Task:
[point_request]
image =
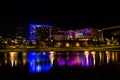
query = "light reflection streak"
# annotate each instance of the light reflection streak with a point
(13, 58)
(51, 56)
(116, 56)
(100, 55)
(24, 58)
(93, 54)
(12, 63)
(108, 56)
(86, 53)
(5, 55)
(113, 56)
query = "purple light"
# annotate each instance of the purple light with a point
(61, 62)
(78, 59)
(87, 30)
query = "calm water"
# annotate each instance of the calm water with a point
(60, 65)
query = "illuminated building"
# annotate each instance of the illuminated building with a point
(44, 31)
(86, 34)
(80, 34)
(112, 33)
(60, 35)
(83, 34)
(69, 35)
(36, 31)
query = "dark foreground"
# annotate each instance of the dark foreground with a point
(104, 72)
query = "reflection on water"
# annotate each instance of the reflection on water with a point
(77, 59)
(69, 60)
(87, 58)
(40, 61)
(13, 58)
(24, 59)
(44, 61)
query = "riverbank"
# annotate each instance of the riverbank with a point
(26, 49)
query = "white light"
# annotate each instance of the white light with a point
(44, 53)
(93, 52)
(51, 52)
(107, 52)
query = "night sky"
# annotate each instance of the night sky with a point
(10, 18)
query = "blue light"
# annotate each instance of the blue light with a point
(32, 27)
(43, 57)
(81, 34)
(35, 58)
(43, 68)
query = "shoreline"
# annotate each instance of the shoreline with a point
(115, 48)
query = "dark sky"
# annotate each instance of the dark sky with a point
(10, 18)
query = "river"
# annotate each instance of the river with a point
(64, 65)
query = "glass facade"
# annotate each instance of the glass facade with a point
(32, 30)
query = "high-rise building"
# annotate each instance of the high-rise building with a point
(37, 31)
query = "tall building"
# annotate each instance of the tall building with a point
(37, 31)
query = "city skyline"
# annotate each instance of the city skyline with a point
(10, 18)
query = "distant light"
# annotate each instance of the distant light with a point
(99, 30)
(93, 54)
(67, 44)
(77, 44)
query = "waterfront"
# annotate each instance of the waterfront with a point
(63, 65)
(53, 43)
(33, 48)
